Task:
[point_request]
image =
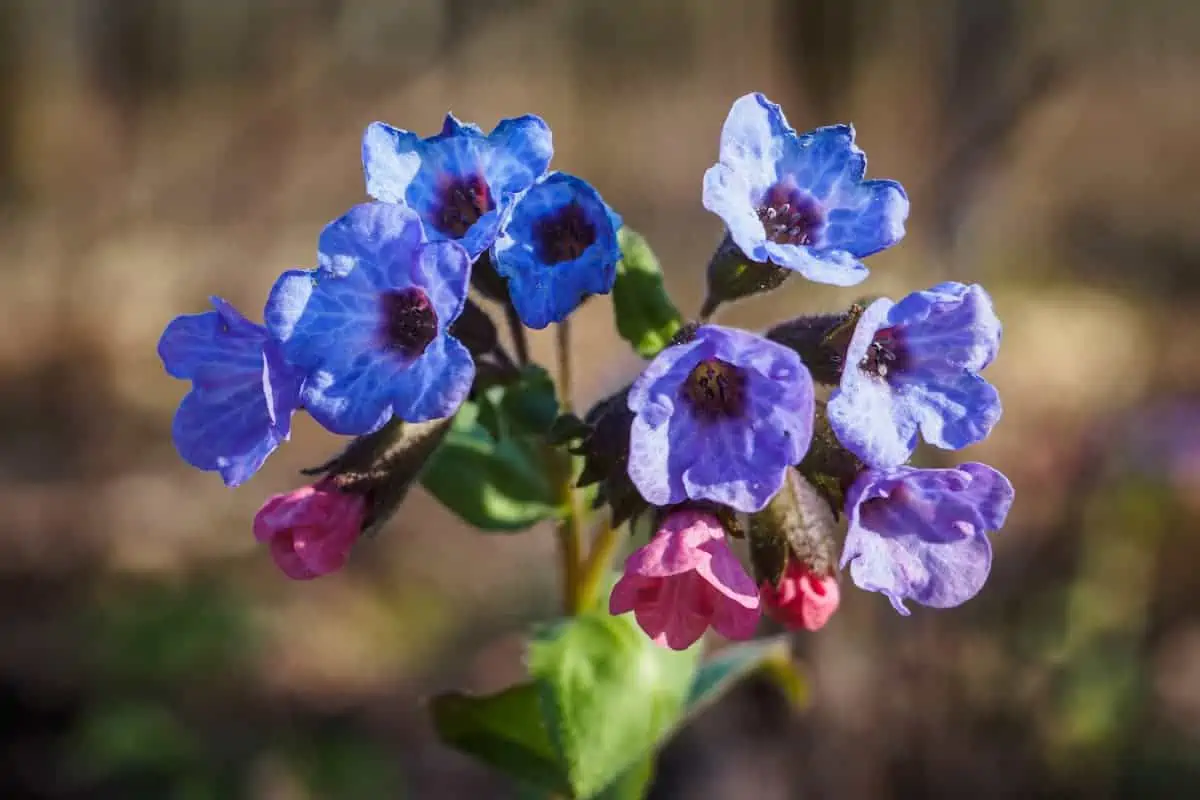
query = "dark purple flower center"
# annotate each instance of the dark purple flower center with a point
(563, 234)
(462, 201)
(716, 388)
(789, 216)
(409, 321)
(886, 354)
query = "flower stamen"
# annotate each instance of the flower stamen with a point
(463, 202)
(789, 216)
(563, 235)
(409, 321)
(885, 354)
(716, 388)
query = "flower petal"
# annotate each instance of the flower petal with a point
(751, 139)
(244, 393)
(725, 573)
(950, 326)
(728, 195)
(990, 491)
(283, 553)
(323, 321)
(744, 465)
(521, 151)
(208, 346)
(627, 592)
(227, 430)
(391, 159)
(824, 162)
(367, 240)
(443, 271)
(436, 383)
(868, 217)
(953, 412)
(833, 267)
(677, 547)
(870, 423)
(905, 567)
(680, 615)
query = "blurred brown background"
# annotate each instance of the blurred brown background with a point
(155, 152)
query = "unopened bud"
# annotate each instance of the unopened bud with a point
(803, 599)
(794, 537)
(605, 450)
(828, 466)
(820, 340)
(383, 466)
(797, 525)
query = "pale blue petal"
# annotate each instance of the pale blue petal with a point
(728, 195)
(953, 411)
(391, 159)
(824, 162)
(833, 267)
(866, 218)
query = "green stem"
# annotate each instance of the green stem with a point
(595, 566)
(570, 533)
(517, 330)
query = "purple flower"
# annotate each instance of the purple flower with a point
(921, 534)
(243, 391)
(800, 202)
(461, 182)
(914, 365)
(559, 247)
(370, 326)
(720, 417)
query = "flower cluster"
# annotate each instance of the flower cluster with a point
(726, 434)
(368, 336)
(724, 416)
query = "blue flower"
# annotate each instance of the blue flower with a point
(800, 202)
(243, 391)
(720, 417)
(914, 366)
(921, 534)
(369, 327)
(461, 182)
(559, 247)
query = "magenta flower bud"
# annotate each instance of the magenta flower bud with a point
(685, 580)
(803, 599)
(310, 530)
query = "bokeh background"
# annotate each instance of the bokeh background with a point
(155, 151)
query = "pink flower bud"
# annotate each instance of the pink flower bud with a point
(803, 599)
(685, 580)
(311, 529)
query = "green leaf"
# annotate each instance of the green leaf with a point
(504, 730)
(610, 695)
(646, 317)
(346, 764)
(126, 736)
(493, 484)
(720, 673)
(526, 407)
(633, 784)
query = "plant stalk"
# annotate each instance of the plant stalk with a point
(570, 527)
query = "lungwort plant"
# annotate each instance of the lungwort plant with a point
(771, 437)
